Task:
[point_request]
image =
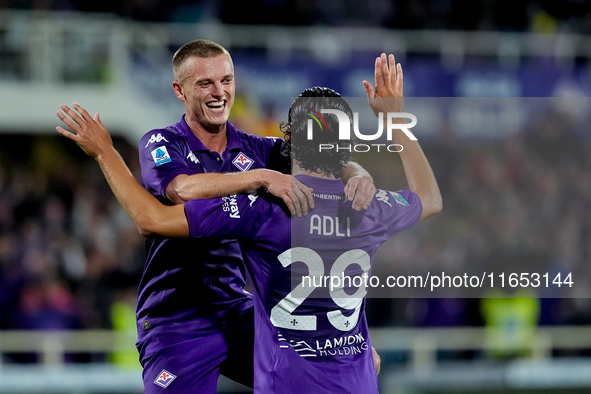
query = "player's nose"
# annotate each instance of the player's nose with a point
(218, 89)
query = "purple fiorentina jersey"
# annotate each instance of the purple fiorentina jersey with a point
(307, 339)
(189, 281)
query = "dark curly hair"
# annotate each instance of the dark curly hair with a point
(308, 106)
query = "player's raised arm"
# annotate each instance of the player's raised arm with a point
(147, 213)
(388, 97)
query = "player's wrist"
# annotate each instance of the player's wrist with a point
(261, 178)
(107, 155)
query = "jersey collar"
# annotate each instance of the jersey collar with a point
(195, 143)
(335, 186)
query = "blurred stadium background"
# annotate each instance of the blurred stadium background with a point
(514, 169)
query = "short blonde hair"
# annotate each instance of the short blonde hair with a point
(196, 48)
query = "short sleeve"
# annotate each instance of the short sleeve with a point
(162, 159)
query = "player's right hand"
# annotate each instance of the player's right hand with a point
(297, 197)
(89, 133)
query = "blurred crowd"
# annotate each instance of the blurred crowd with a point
(516, 204)
(544, 16)
(68, 252)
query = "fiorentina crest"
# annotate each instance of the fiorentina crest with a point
(243, 162)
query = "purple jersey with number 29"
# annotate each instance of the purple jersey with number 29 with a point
(309, 338)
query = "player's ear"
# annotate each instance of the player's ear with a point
(178, 90)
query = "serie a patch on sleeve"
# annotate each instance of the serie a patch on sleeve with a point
(161, 156)
(400, 199)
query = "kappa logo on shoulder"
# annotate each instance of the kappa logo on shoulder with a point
(155, 138)
(164, 378)
(382, 196)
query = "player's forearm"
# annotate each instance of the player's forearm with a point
(419, 175)
(352, 170)
(184, 188)
(146, 212)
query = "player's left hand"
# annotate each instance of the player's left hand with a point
(388, 83)
(360, 190)
(89, 133)
(301, 198)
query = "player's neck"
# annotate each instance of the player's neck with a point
(297, 170)
(215, 139)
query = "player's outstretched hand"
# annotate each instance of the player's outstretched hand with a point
(89, 133)
(360, 190)
(388, 83)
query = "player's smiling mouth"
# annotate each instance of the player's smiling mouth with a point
(217, 106)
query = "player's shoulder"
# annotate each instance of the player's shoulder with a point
(164, 135)
(384, 199)
(252, 139)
